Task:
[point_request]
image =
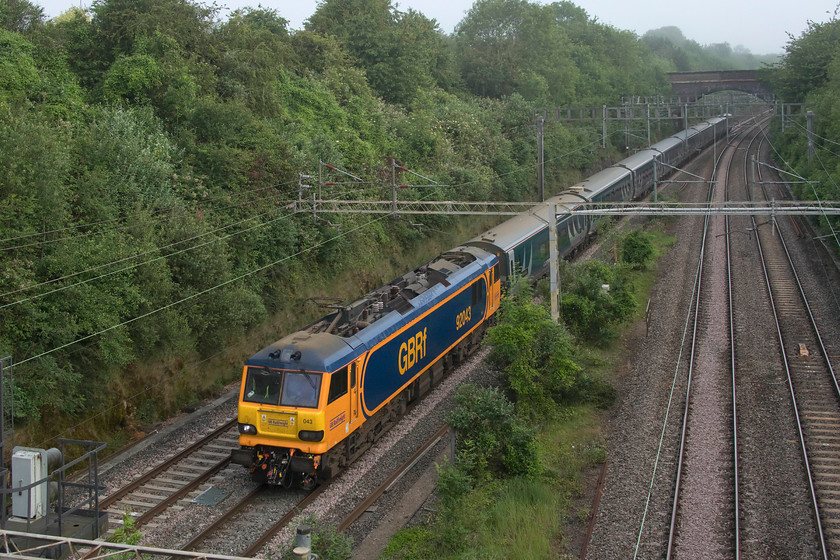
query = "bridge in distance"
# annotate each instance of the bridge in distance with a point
(697, 84)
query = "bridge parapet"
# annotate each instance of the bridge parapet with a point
(702, 83)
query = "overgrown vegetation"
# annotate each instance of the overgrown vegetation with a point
(684, 55)
(522, 448)
(809, 73)
(147, 149)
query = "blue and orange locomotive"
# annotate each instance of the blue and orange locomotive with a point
(313, 401)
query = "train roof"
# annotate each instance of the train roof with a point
(349, 330)
(591, 186)
(700, 127)
(667, 144)
(638, 159)
(314, 350)
(566, 199)
(684, 135)
(514, 231)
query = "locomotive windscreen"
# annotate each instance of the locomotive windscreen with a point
(284, 388)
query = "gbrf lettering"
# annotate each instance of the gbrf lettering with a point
(412, 351)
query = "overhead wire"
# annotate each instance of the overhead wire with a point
(199, 245)
(137, 255)
(189, 298)
(101, 232)
(136, 265)
(802, 128)
(247, 274)
(813, 190)
(200, 293)
(134, 256)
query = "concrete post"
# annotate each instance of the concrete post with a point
(655, 180)
(553, 262)
(540, 160)
(604, 128)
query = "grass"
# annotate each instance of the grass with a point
(518, 518)
(525, 519)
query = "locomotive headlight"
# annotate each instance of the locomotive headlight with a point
(247, 429)
(310, 435)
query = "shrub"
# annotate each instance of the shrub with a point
(636, 249)
(590, 310)
(535, 352)
(492, 438)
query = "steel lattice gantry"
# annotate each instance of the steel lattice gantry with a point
(448, 207)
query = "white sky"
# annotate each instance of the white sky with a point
(759, 25)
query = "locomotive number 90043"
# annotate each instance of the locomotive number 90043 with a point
(463, 318)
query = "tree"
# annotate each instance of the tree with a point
(807, 58)
(20, 16)
(18, 73)
(398, 50)
(119, 23)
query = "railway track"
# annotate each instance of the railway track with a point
(709, 521)
(704, 518)
(174, 478)
(813, 385)
(249, 514)
(758, 503)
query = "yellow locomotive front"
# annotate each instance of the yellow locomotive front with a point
(281, 423)
(287, 394)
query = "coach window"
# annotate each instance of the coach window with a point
(338, 385)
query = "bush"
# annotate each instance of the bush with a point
(536, 354)
(491, 437)
(590, 310)
(636, 249)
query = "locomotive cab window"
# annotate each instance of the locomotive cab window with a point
(263, 385)
(338, 385)
(301, 389)
(272, 386)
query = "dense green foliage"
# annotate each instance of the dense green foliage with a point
(636, 249)
(536, 353)
(147, 148)
(596, 298)
(684, 55)
(809, 73)
(493, 438)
